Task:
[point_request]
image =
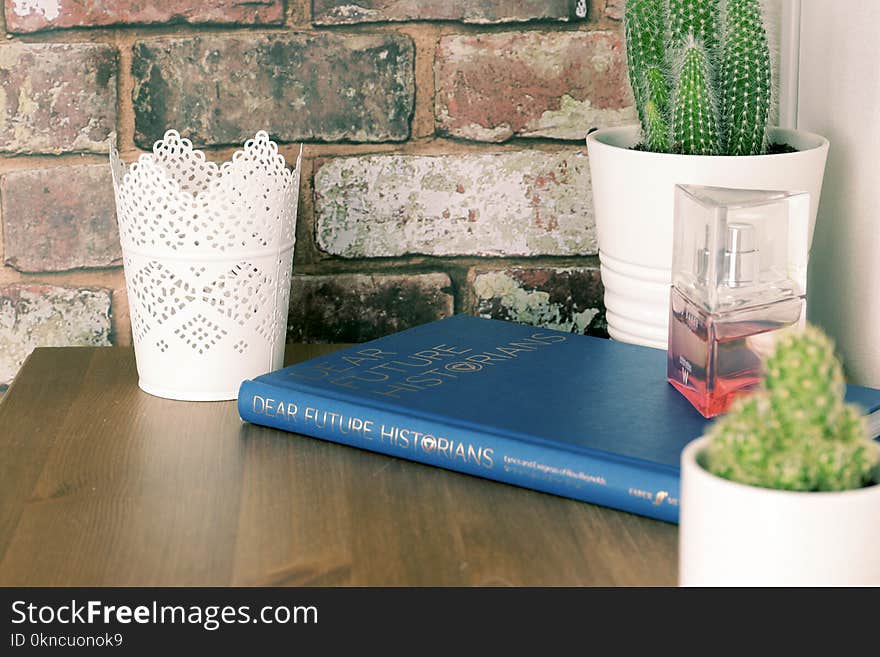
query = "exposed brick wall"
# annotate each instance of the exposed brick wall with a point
(444, 164)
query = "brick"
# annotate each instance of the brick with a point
(340, 12)
(48, 316)
(320, 87)
(361, 307)
(491, 87)
(57, 98)
(35, 15)
(561, 298)
(499, 204)
(614, 9)
(46, 227)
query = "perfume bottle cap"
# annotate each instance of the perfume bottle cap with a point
(740, 238)
(740, 255)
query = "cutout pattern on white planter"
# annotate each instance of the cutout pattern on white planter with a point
(208, 256)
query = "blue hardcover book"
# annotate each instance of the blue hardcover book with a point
(576, 416)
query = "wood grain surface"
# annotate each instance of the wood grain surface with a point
(102, 484)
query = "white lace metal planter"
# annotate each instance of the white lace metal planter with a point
(208, 254)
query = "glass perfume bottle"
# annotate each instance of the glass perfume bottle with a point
(739, 272)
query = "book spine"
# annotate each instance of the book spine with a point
(603, 480)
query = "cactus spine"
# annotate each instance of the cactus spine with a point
(796, 432)
(700, 72)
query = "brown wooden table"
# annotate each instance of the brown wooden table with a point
(102, 484)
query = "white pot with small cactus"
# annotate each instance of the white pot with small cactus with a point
(700, 72)
(784, 490)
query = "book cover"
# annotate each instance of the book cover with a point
(576, 416)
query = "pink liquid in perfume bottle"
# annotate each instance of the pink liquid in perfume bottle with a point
(713, 358)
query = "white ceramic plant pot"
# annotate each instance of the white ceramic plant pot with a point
(633, 201)
(207, 252)
(731, 534)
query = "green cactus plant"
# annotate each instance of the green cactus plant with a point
(745, 79)
(700, 73)
(693, 19)
(795, 432)
(695, 119)
(645, 28)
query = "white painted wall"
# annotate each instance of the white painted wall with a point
(839, 97)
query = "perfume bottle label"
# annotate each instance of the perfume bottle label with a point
(686, 369)
(694, 321)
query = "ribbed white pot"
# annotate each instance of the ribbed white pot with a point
(633, 201)
(731, 534)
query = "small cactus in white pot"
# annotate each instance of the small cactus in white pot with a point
(700, 72)
(785, 488)
(796, 433)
